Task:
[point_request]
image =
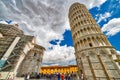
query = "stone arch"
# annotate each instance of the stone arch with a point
(85, 21)
(81, 22)
(89, 42)
(81, 42)
(85, 43)
(88, 21)
(77, 11)
(88, 29)
(76, 34)
(82, 15)
(78, 23)
(81, 32)
(76, 17)
(92, 29)
(85, 30)
(94, 40)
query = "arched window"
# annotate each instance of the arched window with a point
(81, 15)
(90, 44)
(82, 22)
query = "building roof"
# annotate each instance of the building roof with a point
(59, 66)
(8, 30)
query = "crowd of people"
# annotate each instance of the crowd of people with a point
(55, 76)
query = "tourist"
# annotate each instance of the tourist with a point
(38, 76)
(32, 75)
(66, 76)
(55, 76)
(62, 76)
(58, 76)
(25, 77)
(82, 77)
(69, 77)
(75, 77)
(28, 76)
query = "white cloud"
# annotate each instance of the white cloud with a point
(38, 17)
(45, 19)
(3, 22)
(89, 3)
(59, 55)
(112, 27)
(118, 52)
(103, 16)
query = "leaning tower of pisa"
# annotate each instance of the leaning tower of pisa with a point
(94, 53)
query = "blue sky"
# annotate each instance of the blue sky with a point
(48, 21)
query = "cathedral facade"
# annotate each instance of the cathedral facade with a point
(94, 53)
(19, 53)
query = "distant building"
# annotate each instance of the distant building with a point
(19, 53)
(59, 69)
(94, 53)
